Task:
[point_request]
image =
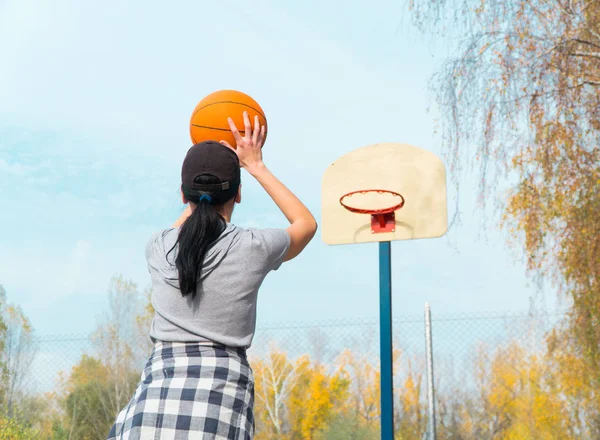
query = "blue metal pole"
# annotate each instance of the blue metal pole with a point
(385, 344)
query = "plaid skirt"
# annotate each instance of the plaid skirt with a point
(190, 391)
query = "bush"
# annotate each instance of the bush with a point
(15, 429)
(345, 427)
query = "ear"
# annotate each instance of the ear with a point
(238, 197)
(183, 199)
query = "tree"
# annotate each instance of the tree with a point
(88, 399)
(522, 104)
(577, 381)
(99, 386)
(87, 403)
(316, 399)
(17, 352)
(143, 322)
(17, 355)
(516, 398)
(275, 378)
(522, 97)
(318, 340)
(411, 419)
(116, 339)
(365, 387)
(343, 427)
(297, 399)
(42, 412)
(521, 65)
(3, 367)
(364, 400)
(14, 429)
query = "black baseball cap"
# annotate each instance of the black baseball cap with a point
(210, 158)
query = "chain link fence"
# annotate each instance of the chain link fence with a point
(54, 357)
(468, 349)
(458, 339)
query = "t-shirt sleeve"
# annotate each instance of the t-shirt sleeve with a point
(274, 244)
(154, 248)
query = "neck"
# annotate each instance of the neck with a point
(224, 210)
(226, 216)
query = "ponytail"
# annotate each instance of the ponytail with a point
(200, 230)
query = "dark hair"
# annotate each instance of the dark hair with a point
(199, 231)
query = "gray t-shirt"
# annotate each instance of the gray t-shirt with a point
(224, 309)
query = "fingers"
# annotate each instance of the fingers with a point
(256, 131)
(251, 137)
(262, 135)
(236, 134)
(247, 126)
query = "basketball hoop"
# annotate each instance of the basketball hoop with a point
(382, 219)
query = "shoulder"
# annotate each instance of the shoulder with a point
(161, 241)
(267, 236)
(271, 235)
(271, 245)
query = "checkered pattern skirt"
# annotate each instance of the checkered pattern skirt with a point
(190, 391)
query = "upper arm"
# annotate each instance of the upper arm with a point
(152, 245)
(183, 217)
(273, 246)
(301, 233)
(155, 249)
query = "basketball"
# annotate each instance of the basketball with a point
(209, 119)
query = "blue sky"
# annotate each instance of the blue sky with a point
(95, 99)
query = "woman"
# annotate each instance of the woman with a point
(205, 274)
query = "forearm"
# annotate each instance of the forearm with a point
(293, 209)
(183, 217)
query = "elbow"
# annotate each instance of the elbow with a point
(310, 229)
(313, 227)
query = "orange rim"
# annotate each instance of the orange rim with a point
(373, 211)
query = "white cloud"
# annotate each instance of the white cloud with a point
(13, 168)
(45, 275)
(141, 79)
(18, 169)
(114, 83)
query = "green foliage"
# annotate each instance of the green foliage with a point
(347, 427)
(85, 406)
(58, 431)
(92, 398)
(99, 386)
(19, 411)
(15, 429)
(518, 394)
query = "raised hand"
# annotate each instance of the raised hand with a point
(249, 146)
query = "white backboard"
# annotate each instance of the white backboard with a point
(417, 174)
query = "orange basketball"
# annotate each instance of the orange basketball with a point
(209, 119)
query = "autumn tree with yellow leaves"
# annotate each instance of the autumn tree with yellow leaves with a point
(521, 105)
(101, 384)
(364, 400)
(19, 412)
(295, 399)
(318, 395)
(510, 392)
(275, 377)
